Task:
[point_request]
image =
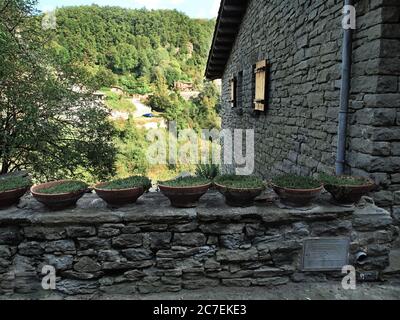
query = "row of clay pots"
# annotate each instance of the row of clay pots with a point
(188, 197)
(342, 194)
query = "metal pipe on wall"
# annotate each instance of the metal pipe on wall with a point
(344, 97)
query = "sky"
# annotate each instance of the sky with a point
(193, 8)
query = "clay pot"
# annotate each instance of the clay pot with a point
(11, 197)
(119, 197)
(347, 194)
(297, 197)
(184, 197)
(236, 197)
(56, 201)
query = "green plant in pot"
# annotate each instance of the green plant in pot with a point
(347, 189)
(208, 171)
(297, 190)
(239, 191)
(123, 191)
(61, 194)
(185, 192)
(12, 188)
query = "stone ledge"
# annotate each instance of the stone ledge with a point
(154, 207)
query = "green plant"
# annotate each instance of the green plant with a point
(13, 183)
(208, 171)
(342, 180)
(47, 127)
(64, 187)
(296, 182)
(186, 182)
(128, 183)
(240, 182)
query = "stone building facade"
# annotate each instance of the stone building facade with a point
(302, 43)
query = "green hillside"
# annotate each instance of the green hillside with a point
(133, 48)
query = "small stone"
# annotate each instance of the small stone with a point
(60, 246)
(212, 264)
(87, 265)
(190, 239)
(134, 275)
(109, 256)
(270, 282)
(94, 243)
(137, 254)
(237, 282)
(59, 262)
(232, 242)
(78, 232)
(10, 236)
(128, 241)
(6, 252)
(45, 233)
(75, 287)
(160, 240)
(237, 255)
(188, 227)
(30, 249)
(81, 275)
(110, 230)
(130, 229)
(127, 265)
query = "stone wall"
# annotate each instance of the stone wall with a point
(151, 247)
(302, 41)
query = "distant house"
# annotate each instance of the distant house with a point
(117, 90)
(183, 86)
(99, 95)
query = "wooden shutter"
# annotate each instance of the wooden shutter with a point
(260, 99)
(233, 85)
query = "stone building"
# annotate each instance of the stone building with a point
(296, 127)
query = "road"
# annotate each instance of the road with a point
(141, 109)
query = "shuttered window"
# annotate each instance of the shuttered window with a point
(260, 97)
(233, 89)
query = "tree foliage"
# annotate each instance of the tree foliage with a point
(46, 126)
(139, 43)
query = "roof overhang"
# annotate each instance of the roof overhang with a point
(230, 17)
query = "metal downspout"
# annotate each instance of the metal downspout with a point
(344, 98)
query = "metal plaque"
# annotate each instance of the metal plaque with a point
(325, 254)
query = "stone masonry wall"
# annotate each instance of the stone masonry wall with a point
(302, 41)
(151, 247)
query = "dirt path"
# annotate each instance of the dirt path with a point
(141, 108)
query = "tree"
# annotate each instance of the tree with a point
(46, 126)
